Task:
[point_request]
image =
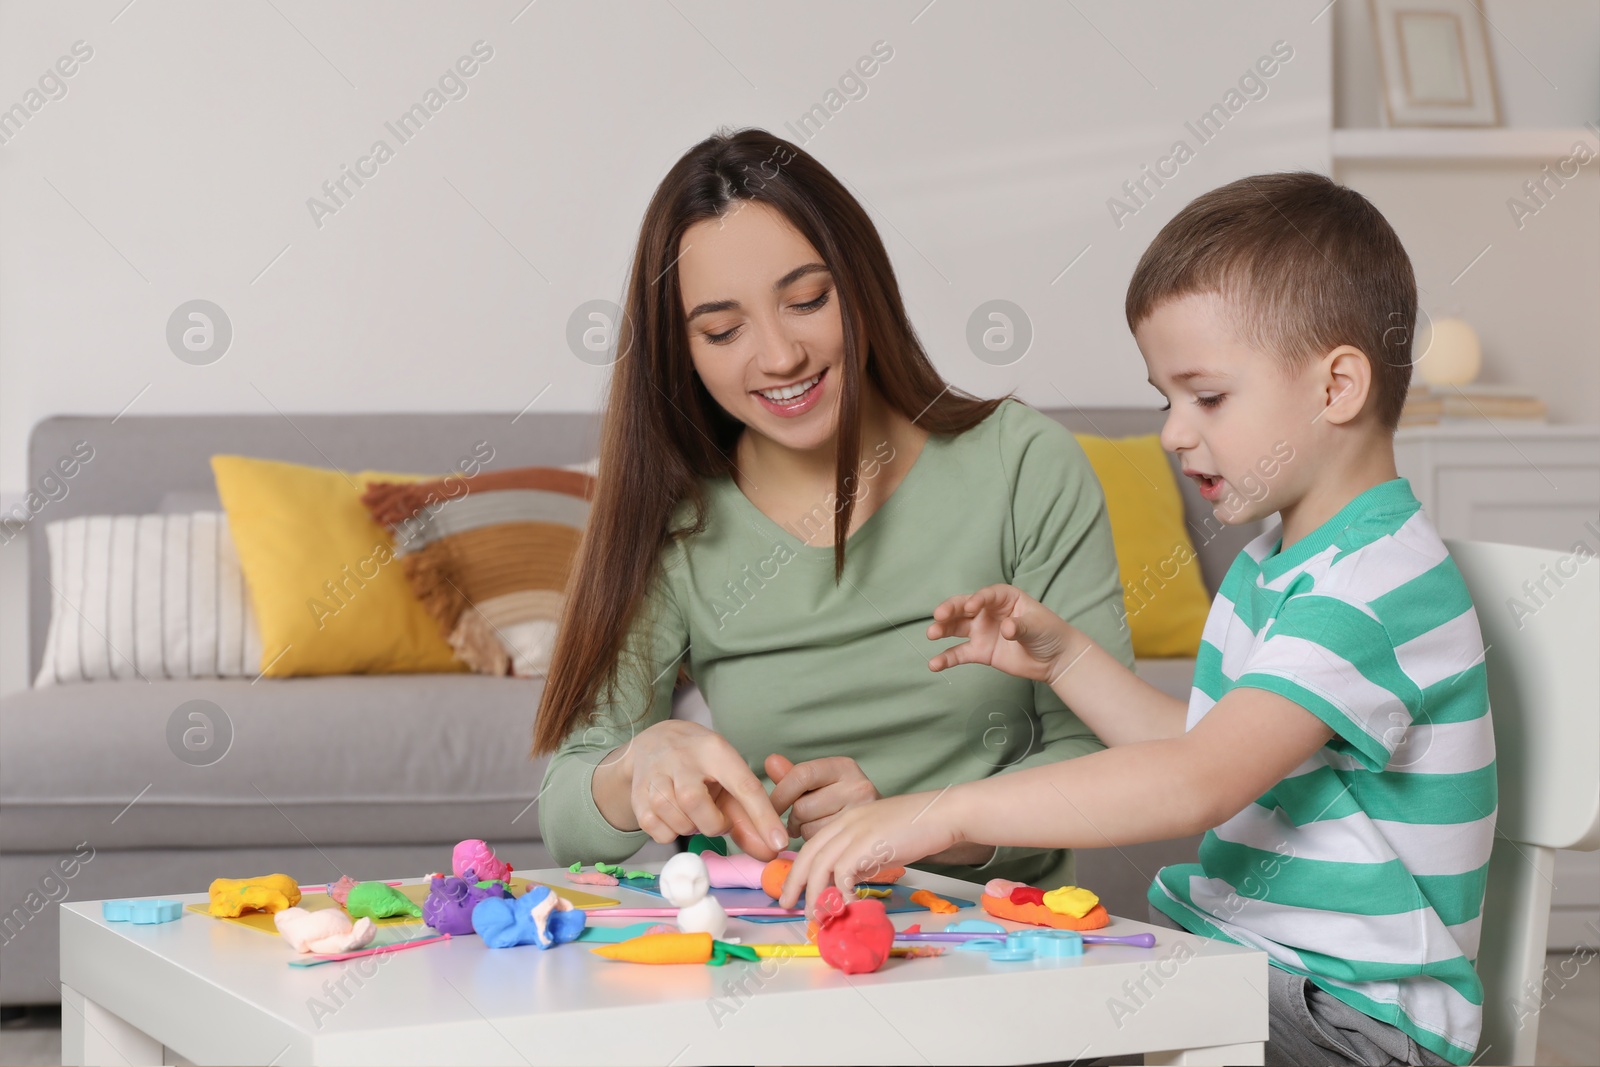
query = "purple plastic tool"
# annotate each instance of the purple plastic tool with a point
(1135, 940)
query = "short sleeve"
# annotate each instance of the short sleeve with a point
(570, 822)
(1336, 660)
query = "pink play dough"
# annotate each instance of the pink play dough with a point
(733, 872)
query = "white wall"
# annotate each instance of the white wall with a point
(1532, 294)
(179, 163)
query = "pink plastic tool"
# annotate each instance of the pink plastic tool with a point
(323, 888)
(415, 942)
(667, 913)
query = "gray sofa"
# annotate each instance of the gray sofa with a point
(424, 760)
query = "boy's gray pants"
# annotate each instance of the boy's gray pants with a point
(1309, 1026)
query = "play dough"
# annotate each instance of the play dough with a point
(676, 948)
(933, 902)
(686, 883)
(451, 899)
(1071, 900)
(379, 900)
(773, 876)
(591, 878)
(1036, 914)
(538, 917)
(269, 893)
(328, 930)
(475, 860)
(853, 937)
(733, 872)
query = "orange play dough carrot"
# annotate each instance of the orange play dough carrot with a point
(1039, 915)
(659, 948)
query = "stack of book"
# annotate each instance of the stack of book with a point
(1428, 405)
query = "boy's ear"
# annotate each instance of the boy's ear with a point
(1347, 379)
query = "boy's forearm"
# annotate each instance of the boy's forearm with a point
(1122, 796)
(1115, 703)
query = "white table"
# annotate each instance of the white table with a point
(209, 991)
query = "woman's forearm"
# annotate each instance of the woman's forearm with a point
(1118, 705)
(612, 786)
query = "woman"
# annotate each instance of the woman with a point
(786, 490)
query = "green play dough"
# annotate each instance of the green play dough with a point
(374, 900)
(701, 843)
(722, 952)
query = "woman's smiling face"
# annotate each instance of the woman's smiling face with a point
(763, 321)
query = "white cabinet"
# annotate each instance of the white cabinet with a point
(1520, 484)
(1516, 483)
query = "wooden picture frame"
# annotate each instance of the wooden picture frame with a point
(1434, 55)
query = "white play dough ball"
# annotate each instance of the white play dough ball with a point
(1448, 353)
(705, 916)
(685, 880)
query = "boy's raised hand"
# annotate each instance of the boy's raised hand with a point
(1005, 628)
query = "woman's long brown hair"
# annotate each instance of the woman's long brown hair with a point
(662, 434)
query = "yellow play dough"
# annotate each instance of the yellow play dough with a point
(1071, 900)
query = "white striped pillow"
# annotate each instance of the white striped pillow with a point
(147, 597)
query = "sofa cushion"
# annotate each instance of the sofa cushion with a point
(326, 599)
(371, 760)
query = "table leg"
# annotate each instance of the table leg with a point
(1246, 1054)
(91, 1035)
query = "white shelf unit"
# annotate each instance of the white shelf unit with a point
(1430, 143)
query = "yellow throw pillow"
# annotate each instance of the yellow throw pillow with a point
(330, 595)
(1162, 590)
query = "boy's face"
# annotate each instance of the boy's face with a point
(1239, 417)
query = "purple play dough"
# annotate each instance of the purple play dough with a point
(448, 908)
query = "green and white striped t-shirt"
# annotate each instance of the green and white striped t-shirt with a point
(1365, 867)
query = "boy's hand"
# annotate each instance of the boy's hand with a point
(886, 833)
(1006, 629)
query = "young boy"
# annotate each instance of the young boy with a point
(1337, 747)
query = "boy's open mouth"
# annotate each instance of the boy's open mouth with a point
(1210, 484)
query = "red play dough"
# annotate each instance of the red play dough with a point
(1027, 894)
(855, 937)
(1039, 915)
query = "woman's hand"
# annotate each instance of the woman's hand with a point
(816, 791)
(1005, 629)
(685, 779)
(895, 832)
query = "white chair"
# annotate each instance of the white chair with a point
(1544, 692)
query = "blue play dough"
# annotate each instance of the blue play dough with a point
(504, 922)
